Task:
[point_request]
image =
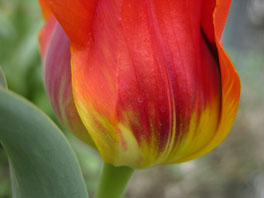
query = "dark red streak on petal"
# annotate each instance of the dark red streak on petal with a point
(162, 55)
(172, 67)
(212, 47)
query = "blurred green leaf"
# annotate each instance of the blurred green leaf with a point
(43, 164)
(2, 78)
(7, 29)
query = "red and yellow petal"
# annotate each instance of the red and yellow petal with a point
(149, 77)
(230, 83)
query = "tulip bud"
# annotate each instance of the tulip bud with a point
(146, 81)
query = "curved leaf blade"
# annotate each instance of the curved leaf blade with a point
(42, 161)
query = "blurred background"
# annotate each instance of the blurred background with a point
(234, 170)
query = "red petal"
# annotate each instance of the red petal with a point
(214, 28)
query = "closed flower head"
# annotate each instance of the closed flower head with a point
(145, 82)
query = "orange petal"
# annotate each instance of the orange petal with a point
(76, 18)
(46, 12)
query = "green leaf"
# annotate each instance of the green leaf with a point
(43, 165)
(2, 78)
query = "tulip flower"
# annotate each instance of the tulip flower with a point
(145, 82)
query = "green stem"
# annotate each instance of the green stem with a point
(113, 181)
